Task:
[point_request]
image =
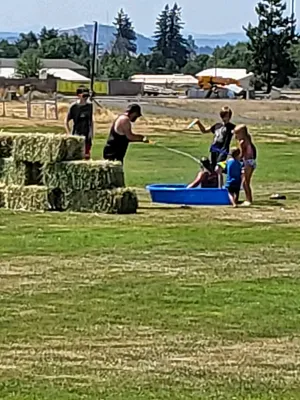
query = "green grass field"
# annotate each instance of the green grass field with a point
(170, 303)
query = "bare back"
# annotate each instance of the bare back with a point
(247, 149)
(122, 125)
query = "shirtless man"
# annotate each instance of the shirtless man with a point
(121, 135)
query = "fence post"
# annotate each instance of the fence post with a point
(3, 108)
(45, 109)
(29, 105)
(56, 107)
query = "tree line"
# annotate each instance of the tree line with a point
(30, 48)
(272, 50)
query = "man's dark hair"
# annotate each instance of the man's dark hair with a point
(134, 108)
(82, 90)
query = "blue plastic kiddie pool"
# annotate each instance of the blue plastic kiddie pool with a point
(180, 194)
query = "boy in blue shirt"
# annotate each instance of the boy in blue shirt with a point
(234, 176)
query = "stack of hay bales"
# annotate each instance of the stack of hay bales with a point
(40, 172)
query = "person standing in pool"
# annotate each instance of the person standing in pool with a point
(121, 134)
(223, 133)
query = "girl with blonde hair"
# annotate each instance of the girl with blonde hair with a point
(248, 157)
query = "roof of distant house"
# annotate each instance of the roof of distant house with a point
(7, 72)
(233, 73)
(47, 63)
(67, 75)
(179, 79)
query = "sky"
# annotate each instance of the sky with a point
(200, 16)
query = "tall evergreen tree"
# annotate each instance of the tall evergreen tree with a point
(161, 33)
(125, 42)
(270, 43)
(178, 46)
(169, 41)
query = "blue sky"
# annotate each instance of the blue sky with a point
(201, 16)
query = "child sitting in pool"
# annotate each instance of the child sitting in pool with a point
(207, 177)
(248, 157)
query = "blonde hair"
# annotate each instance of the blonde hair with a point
(242, 131)
(226, 111)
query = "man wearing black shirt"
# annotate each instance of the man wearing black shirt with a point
(81, 113)
(121, 134)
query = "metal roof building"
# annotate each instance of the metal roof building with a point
(61, 69)
(64, 74)
(47, 63)
(159, 80)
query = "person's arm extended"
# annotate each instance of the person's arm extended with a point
(242, 148)
(202, 128)
(133, 137)
(197, 181)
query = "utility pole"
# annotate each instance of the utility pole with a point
(216, 62)
(94, 57)
(293, 18)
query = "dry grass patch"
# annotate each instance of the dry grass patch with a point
(155, 354)
(276, 110)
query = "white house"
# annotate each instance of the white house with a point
(59, 68)
(239, 74)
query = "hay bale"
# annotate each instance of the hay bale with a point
(83, 175)
(28, 198)
(20, 173)
(124, 201)
(6, 144)
(12, 173)
(115, 201)
(47, 148)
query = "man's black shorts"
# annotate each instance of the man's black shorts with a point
(111, 157)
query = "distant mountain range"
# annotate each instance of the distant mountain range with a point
(106, 37)
(10, 36)
(213, 41)
(205, 42)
